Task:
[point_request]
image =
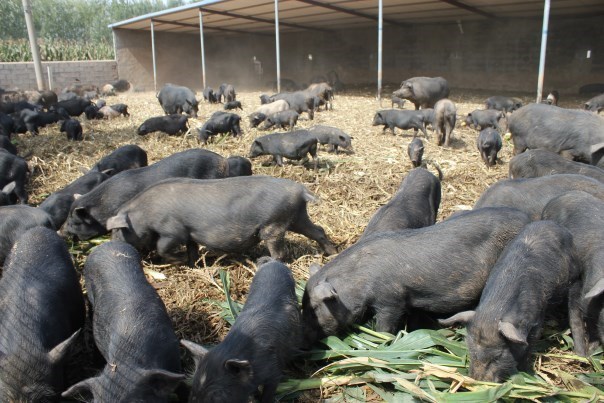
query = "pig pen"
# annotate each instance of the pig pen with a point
(350, 186)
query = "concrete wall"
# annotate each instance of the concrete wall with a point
(22, 75)
(494, 55)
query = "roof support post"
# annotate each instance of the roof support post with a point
(543, 50)
(379, 61)
(203, 55)
(277, 45)
(153, 54)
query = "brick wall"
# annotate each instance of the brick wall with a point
(498, 55)
(22, 75)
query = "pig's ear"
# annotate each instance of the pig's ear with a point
(595, 290)
(241, 368)
(462, 318)
(9, 188)
(380, 115)
(118, 221)
(342, 138)
(81, 389)
(512, 333)
(325, 291)
(314, 268)
(258, 144)
(198, 351)
(597, 152)
(160, 381)
(58, 352)
(80, 211)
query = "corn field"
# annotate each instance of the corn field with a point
(18, 50)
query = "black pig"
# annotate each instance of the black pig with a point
(332, 136)
(504, 104)
(531, 195)
(489, 143)
(132, 330)
(532, 274)
(293, 145)
(58, 204)
(583, 215)
(481, 119)
(171, 124)
(73, 129)
(232, 105)
(424, 92)
(535, 163)
(445, 116)
(42, 320)
(596, 104)
(415, 151)
(90, 212)
(125, 157)
(393, 273)
(14, 169)
(257, 347)
(220, 122)
(228, 222)
(414, 205)
(402, 119)
(15, 221)
(283, 119)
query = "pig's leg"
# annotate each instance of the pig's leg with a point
(303, 225)
(278, 160)
(268, 392)
(388, 319)
(274, 236)
(192, 253)
(575, 318)
(165, 249)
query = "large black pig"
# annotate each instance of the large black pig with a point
(175, 99)
(90, 212)
(531, 195)
(535, 163)
(424, 92)
(414, 205)
(583, 215)
(574, 134)
(215, 214)
(265, 336)
(438, 269)
(533, 273)
(132, 330)
(41, 313)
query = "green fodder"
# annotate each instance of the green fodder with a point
(55, 50)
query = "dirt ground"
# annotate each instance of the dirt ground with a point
(350, 186)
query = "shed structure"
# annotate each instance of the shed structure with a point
(475, 44)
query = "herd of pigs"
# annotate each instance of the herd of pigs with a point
(532, 243)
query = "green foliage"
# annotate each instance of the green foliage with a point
(70, 29)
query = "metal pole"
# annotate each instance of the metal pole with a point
(153, 54)
(114, 47)
(277, 45)
(33, 44)
(543, 50)
(49, 77)
(203, 54)
(379, 66)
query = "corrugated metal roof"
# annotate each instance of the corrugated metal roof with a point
(232, 16)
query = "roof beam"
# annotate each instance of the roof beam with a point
(184, 24)
(257, 19)
(349, 11)
(471, 9)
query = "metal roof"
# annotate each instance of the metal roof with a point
(257, 16)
